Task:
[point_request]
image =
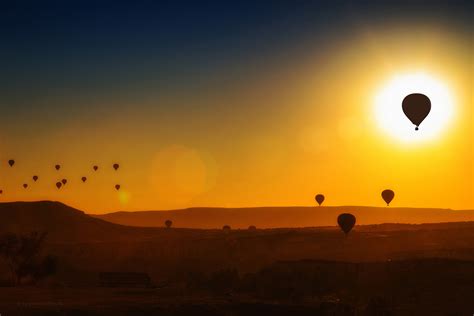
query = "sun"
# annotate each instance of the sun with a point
(388, 107)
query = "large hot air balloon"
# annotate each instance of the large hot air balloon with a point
(116, 166)
(346, 221)
(58, 185)
(64, 181)
(57, 167)
(25, 185)
(84, 179)
(35, 178)
(319, 198)
(11, 162)
(416, 107)
(95, 168)
(387, 196)
(117, 187)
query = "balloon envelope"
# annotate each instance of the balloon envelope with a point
(83, 179)
(25, 185)
(95, 168)
(319, 198)
(64, 181)
(168, 223)
(117, 187)
(387, 196)
(35, 178)
(58, 185)
(1, 191)
(116, 166)
(416, 107)
(57, 167)
(346, 222)
(11, 162)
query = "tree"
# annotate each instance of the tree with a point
(22, 255)
(168, 223)
(226, 228)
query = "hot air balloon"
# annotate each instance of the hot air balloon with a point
(35, 178)
(58, 185)
(168, 223)
(387, 196)
(319, 198)
(346, 221)
(116, 166)
(11, 162)
(1, 191)
(84, 179)
(57, 167)
(95, 168)
(117, 187)
(64, 181)
(25, 185)
(416, 107)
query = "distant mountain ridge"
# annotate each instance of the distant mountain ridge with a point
(291, 216)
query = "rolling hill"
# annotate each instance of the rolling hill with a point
(274, 217)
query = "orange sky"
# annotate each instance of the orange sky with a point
(285, 129)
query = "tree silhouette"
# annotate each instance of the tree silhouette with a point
(22, 255)
(252, 227)
(226, 228)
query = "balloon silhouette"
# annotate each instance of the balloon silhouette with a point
(168, 223)
(319, 198)
(57, 167)
(58, 185)
(84, 179)
(25, 185)
(387, 196)
(64, 181)
(11, 162)
(116, 166)
(35, 178)
(1, 191)
(416, 107)
(346, 222)
(117, 187)
(95, 168)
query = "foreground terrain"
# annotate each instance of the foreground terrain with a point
(388, 269)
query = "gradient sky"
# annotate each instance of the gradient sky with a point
(219, 104)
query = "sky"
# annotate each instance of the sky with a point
(230, 104)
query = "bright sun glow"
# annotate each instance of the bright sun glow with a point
(390, 116)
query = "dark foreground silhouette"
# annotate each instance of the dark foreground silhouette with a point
(109, 269)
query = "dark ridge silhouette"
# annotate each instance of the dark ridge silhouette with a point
(274, 217)
(63, 223)
(416, 107)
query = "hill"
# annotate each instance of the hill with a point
(63, 223)
(273, 217)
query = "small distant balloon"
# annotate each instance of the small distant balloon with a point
(416, 107)
(35, 178)
(346, 222)
(84, 179)
(25, 185)
(57, 167)
(58, 185)
(11, 162)
(387, 196)
(319, 198)
(64, 181)
(168, 223)
(116, 166)
(1, 191)
(117, 187)
(95, 168)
